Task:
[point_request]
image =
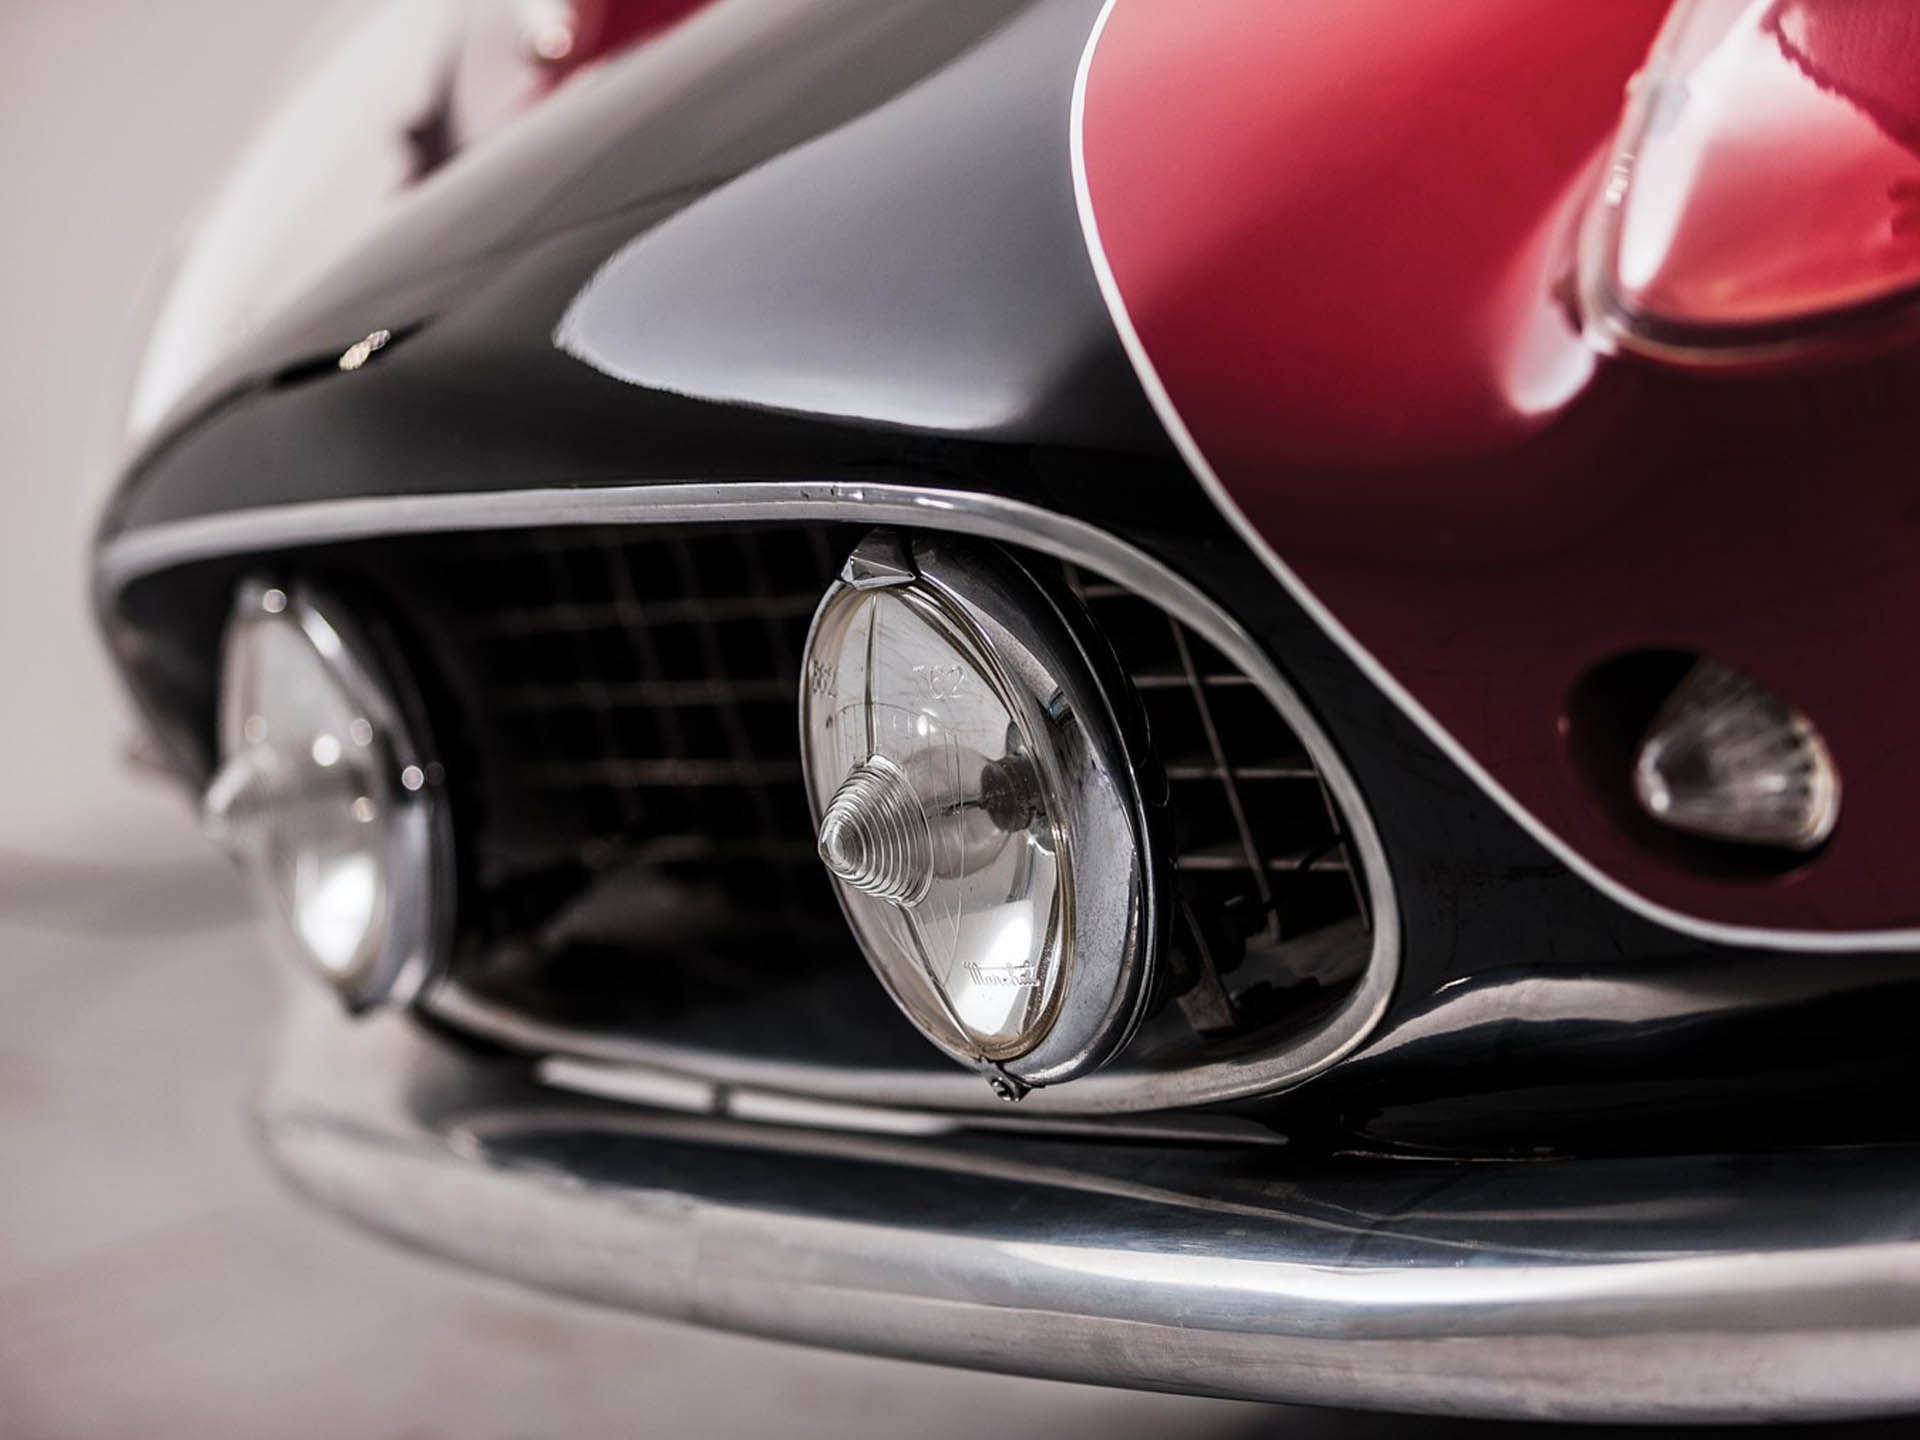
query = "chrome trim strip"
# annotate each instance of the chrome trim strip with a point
(1716, 931)
(1682, 1288)
(670, 1090)
(1116, 1089)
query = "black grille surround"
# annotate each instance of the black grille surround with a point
(617, 705)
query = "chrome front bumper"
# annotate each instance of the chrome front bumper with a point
(1704, 1288)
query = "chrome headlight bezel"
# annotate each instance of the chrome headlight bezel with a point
(1008, 634)
(397, 785)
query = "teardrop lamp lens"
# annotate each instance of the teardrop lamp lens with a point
(1727, 759)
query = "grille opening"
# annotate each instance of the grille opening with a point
(1260, 854)
(636, 845)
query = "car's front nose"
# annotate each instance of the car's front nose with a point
(1405, 1102)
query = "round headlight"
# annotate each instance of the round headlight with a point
(977, 805)
(326, 798)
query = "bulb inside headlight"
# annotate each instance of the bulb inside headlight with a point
(977, 807)
(325, 799)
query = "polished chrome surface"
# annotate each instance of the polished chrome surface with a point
(126, 558)
(356, 355)
(978, 806)
(1697, 1288)
(327, 799)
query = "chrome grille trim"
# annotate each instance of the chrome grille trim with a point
(1113, 561)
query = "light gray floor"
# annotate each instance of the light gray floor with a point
(153, 1280)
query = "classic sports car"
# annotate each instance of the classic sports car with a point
(1206, 695)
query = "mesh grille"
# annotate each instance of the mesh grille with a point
(1256, 837)
(629, 699)
(633, 815)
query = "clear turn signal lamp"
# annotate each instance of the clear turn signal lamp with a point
(977, 805)
(326, 799)
(1726, 759)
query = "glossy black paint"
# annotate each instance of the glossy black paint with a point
(837, 241)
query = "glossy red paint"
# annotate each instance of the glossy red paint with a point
(1335, 217)
(506, 56)
(1768, 177)
(602, 28)
(628, 22)
(1341, 231)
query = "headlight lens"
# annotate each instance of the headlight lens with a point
(978, 810)
(324, 796)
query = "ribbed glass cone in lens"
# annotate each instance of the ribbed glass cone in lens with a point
(958, 912)
(977, 808)
(1729, 760)
(874, 834)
